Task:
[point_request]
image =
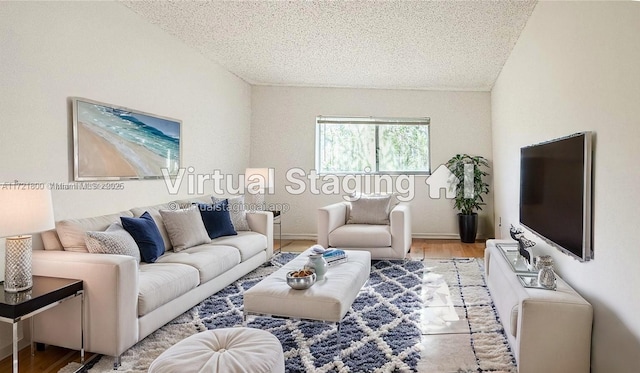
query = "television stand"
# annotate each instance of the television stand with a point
(548, 331)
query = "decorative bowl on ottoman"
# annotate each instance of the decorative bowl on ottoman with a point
(301, 279)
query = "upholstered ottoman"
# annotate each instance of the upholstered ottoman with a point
(227, 350)
(327, 300)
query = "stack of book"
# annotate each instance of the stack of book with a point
(334, 256)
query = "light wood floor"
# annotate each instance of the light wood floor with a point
(420, 248)
(54, 358)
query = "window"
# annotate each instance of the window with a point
(372, 145)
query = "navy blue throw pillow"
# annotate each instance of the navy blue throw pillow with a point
(146, 234)
(217, 220)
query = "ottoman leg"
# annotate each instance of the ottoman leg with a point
(339, 344)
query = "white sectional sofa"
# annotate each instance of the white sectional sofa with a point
(126, 300)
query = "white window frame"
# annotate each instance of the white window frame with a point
(323, 119)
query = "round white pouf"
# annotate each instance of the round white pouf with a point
(223, 350)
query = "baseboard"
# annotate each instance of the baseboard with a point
(429, 236)
(436, 236)
(447, 236)
(299, 236)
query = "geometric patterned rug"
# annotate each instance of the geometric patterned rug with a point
(382, 332)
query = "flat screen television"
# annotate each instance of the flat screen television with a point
(555, 193)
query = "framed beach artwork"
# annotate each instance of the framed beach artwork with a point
(116, 143)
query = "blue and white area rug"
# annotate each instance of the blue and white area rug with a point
(461, 329)
(403, 303)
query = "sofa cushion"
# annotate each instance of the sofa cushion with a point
(154, 211)
(369, 210)
(51, 241)
(360, 235)
(115, 240)
(146, 234)
(160, 283)
(210, 260)
(217, 220)
(185, 228)
(71, 232)
(248, 243)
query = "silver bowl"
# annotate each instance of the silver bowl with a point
(301, 283)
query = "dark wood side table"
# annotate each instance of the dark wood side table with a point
(47, 292)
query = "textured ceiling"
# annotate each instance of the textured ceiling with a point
(375, 44)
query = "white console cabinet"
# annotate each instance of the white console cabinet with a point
(549, 331)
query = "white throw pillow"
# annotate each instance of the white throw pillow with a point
(115, 240)
(369, 210)
(185, 228)
(237, 211)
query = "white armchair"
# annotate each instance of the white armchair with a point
(383, 241)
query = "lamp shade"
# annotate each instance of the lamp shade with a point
(259, 179)
(24, 210)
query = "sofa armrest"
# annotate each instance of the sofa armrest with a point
(400, 220)
(111, 301)
(329, 218)
(554, 335)
(262, 222)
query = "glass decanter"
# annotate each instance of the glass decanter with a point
(546, 276)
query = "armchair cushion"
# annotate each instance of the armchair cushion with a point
(392, 241)
(370, 210)
(360, 235)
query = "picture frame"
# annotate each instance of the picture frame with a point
(117, 143)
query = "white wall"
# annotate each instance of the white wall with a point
(575, 68)
(103, 51)
(50, 51)
(283, 137)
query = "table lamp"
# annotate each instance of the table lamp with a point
(258, 182)
(23, 210)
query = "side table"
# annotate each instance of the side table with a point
(277, 220)
(47, 292)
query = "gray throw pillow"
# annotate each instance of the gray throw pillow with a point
(370, 210)
(115, 240)
(185, 228)
(237, 211)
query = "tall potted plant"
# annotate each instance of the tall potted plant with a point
(470, 187)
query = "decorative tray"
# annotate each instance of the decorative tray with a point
(517, 262)
(529, 281)
(508, 247)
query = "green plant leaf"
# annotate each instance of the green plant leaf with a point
(456, 165)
